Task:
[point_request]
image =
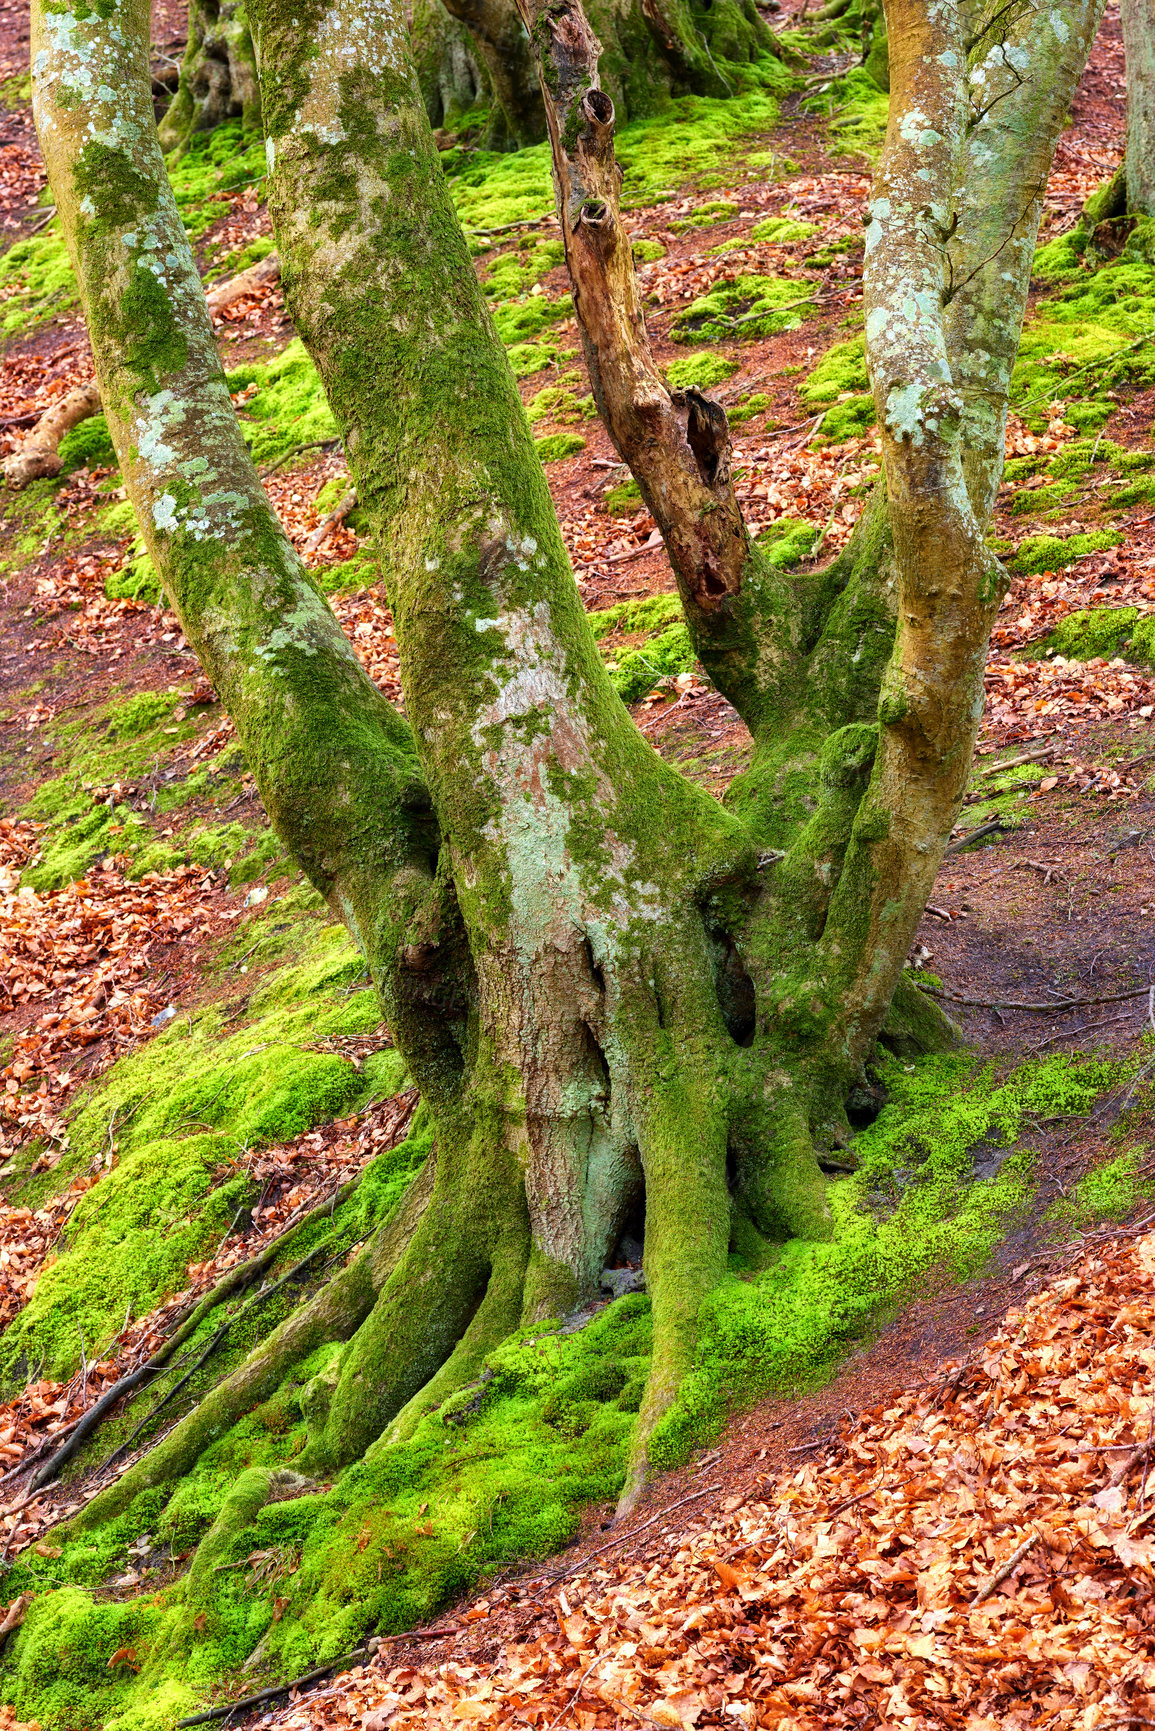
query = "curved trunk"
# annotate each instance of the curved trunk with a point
(218, 75)
(1138, 18)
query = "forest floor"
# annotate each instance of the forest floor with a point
(143, 897)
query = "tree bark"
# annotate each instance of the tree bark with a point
(218, 76)
(1138, 17)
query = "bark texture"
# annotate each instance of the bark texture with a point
(218, 75)
(1138, 17)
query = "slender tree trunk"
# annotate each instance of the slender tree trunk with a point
(1138, 18)
(218, 76)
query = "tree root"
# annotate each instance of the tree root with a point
(335, 1314)
(234, 1281)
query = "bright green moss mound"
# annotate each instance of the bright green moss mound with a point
(787, 541)
(751, 306)
(842, 369)
(289, 409)
(555, 446)
(749, 408)
(783, 230)
(1108, 1193)
(38, 277)
(87, 445)
(699, 372)
(1091, 632)
(181, 1111)
(639, 670)
(1047, 553)
(1092, 335)
(706, 216)
(651, 614)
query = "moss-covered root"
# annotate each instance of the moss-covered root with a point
(255, 1487)
(453, 1296)
(682, 1134)
(334, 1315)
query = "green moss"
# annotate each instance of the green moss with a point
(1091, 632)
(512, 273)
(501, 1472)
(651, 614)
(639, 670)
(626, 496)
(750, 407)
(521, 320)
(555, 446)
(846, 420)
(559, 402)
(841, 370)
(788, 541)
(1108, 1193)
(228, 156)
(783, 230)
(1048, 553)
(750, 306)
(706, 216)
(37, 277)
(1088, 337)
(181, 1111)
(647, 251)
(937, 1182)
(87, 445)
(289, 408)
(856, 111)
(699, 372)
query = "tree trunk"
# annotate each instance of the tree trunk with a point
(1138, 18)
(605, 984)
(218, 76)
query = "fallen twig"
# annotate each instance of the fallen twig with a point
(1005, 1569)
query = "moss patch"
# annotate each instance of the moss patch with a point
(750, 306)
(555, 446)
(699, 372)
(1047, 553)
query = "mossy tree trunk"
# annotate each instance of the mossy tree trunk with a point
(218, 75)
(1138, 18)
(611, 990)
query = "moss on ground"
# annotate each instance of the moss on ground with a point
(690, 138)
(1099, 631)
(110, 759)
(1039, 553)
(503, 1470)
(554, 447)
(913, 1215)
(289, 408)
(748, 307)
(181, 1114)
(699, 372)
